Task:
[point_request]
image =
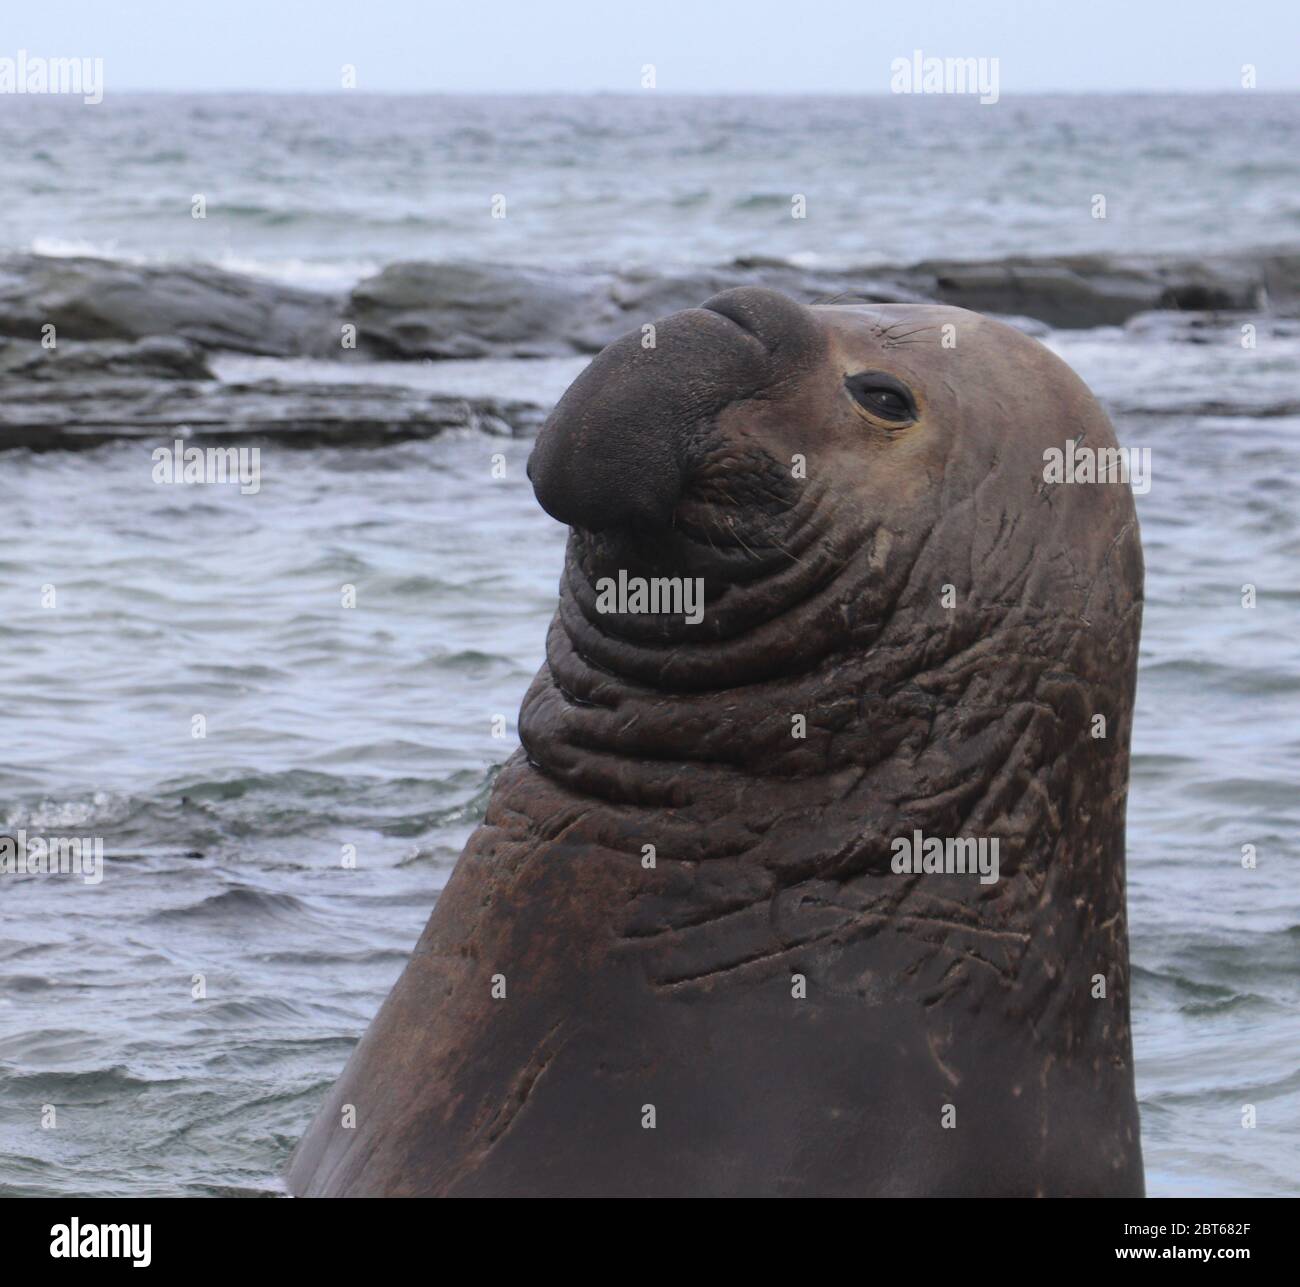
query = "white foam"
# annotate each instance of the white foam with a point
(337, 275)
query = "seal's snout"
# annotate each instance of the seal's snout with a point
(597, 479)
(620, 446)
(776, 321)
(608, 455)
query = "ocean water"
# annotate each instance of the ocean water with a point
(371, 726)
(325, 189)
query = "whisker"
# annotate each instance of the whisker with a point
(851, 296)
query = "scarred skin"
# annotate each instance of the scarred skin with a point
(930, 999)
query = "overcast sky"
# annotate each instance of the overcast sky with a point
(696, 46)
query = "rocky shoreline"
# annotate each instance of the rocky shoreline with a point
(97, 391)
(131, 357)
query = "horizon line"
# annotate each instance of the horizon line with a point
(679, 93)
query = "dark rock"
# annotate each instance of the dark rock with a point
(1217, 408)
(1053, 293)
(415, 310)
(49, 416)
(1084, 290)
(97, 299)
(159, 357)
(424, 310)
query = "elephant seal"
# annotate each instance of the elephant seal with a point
(684, 954)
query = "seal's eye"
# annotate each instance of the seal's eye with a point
(883, 396)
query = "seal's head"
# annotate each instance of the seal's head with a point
(825, 468)
(803, 460)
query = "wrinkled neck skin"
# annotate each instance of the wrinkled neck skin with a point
(973, 720)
